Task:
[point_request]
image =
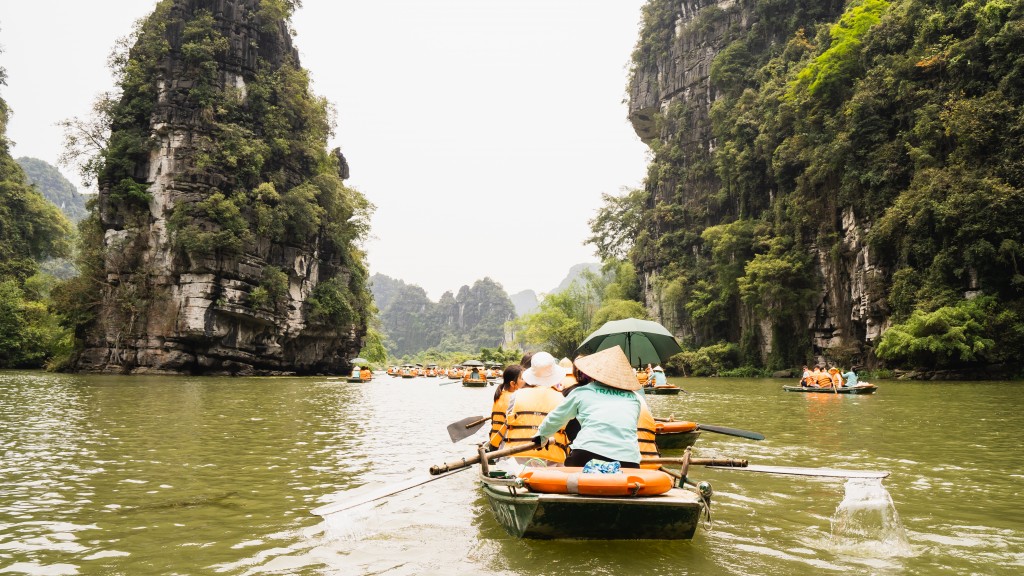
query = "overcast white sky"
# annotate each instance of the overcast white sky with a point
(484, 131)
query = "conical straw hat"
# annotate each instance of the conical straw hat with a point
(609, 367)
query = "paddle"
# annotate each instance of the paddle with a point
(466, 427)
(722, 430)
(359, 496)
(821, 472)
(731, 431)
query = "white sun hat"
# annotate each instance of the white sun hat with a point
(544, 370)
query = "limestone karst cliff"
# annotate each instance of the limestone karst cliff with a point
(826, 170)
(224, 240)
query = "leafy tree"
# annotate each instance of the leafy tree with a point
(948, 337)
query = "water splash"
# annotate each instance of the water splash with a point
(866, 522)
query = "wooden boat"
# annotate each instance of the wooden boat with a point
(673, 515)
(475, 380)
(408, 371)
(364, 375)
(663, 389)
(862, 388)
(675, 435)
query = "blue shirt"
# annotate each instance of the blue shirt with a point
(659, 378)
(850, 378)
(608, 419)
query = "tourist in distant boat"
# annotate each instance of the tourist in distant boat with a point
(512, 380)
(805, 378)
(821, 378)
(608, 410)
(658, 376)
(837, 380)
(530, 404)
(851, 378)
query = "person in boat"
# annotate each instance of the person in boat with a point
(641, 377)
(658, 376)
(569, 380)
(525, 361)
(531, 404)
(850, 378)
(837, 379)
(512, 380)
(821, 378)
(608, 410)
(805, 378)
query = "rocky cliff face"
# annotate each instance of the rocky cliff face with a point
(224, 247)
(673, 77)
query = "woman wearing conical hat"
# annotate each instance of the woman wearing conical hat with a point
(607, 409)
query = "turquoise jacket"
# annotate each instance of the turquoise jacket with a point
(850, 379)
(608, 418)
(659, 378)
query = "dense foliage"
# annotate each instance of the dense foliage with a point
(906, 113)
(565, 318)
(32, 229)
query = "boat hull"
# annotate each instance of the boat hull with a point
(663, 390)
(356, 380)
(859, 389)
(675, 440)
(474, 383)
(670, 516)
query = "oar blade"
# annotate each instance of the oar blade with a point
(465, 428)
(368, 493)
(819, 472)
(731, 431)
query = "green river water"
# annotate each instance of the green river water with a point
(184, 475)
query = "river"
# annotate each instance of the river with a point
(190, 475)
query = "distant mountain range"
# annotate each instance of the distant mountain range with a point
(527, 301)
(54, 187)
(468, 319)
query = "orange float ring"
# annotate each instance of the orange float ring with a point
(572, 480)
(674, 427)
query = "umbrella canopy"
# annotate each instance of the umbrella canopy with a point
(472, 363)
(643, 341)
(359, 361)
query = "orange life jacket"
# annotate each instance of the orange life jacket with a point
(498, 418)
(645, 435)
(523, 419)
(824, 380)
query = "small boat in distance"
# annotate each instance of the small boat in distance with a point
(475, 375)
(663, 389)
(862, 388)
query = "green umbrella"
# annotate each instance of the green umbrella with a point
(643, 341)
(472, 363)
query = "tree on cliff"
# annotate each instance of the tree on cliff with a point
(215, 163)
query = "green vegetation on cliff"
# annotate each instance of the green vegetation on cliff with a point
(32, 229)
(906, 115)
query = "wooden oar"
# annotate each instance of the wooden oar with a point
(731, 431)
(359, 496)
(466, 427)
(821, 472)
(721, 430)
